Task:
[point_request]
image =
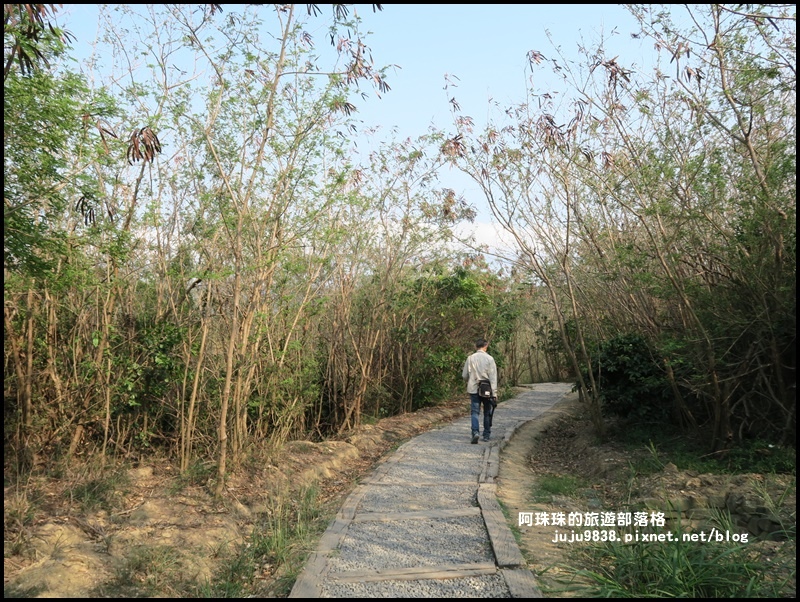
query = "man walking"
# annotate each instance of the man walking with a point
(480, 366)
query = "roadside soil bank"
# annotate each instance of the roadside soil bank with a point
(560, 447)
(146, 531)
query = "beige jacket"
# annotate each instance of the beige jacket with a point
(479, 366)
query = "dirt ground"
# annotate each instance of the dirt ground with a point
(562, 444)
(153, 531)
(150, 532)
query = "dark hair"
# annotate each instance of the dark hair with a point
(481, 343)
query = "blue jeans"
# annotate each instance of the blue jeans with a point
(488, 412)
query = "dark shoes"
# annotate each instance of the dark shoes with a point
(474, 438)
(485, 438)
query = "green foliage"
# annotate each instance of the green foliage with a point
(629, 380)
(666, 443)
(550, 485)
(41, 113)
(161, 343)
(47, 116)
(675, 569)
(676, 204)
(760, 456)
(451, 309)
(437, 375)
(691, 243)
(29, 40)
(507, 311)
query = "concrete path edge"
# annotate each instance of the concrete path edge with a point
(510, 563)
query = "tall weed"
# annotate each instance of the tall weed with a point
(681, 569)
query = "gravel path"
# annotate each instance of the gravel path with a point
(426, 523)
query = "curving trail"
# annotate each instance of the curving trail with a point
(426, 523)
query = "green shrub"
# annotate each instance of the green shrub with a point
(629, 381)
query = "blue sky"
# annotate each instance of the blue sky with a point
(484, 46)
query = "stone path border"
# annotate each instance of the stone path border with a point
(390, 539)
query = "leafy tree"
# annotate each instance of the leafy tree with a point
(46, 122)
(54, 131)
(662, 205)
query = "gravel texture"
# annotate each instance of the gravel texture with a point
(416, 517)
(413, 543)
(405, 497)
(485, 586)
